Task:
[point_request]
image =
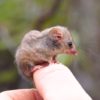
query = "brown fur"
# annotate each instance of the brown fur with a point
(38, 47)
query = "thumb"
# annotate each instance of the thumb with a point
(20, 94)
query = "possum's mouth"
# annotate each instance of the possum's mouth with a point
(71, 51)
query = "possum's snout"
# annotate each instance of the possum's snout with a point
(71, 48)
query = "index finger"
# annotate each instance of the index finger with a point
(56, 82)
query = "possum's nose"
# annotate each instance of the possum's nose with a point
(70, 44)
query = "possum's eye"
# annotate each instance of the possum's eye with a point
(70, 44)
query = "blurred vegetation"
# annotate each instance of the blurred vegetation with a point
(82, 17)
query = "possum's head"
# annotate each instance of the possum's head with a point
(62, 41)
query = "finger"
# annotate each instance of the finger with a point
(21, 94)
(56, 82)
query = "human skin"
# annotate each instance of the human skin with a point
(20, 94)
(55, 82)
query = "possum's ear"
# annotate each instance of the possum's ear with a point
(56, 33)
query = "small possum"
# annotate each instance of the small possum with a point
(41, 48)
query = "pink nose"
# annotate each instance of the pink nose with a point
(72, 51)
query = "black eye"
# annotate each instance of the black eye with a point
(70, 44)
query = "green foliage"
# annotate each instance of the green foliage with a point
(61, 17)
(84, 60)
(8, 76)
(76, 38)
(9, 9)
(65, 59)
(2, 46)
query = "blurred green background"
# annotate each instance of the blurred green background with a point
(82, 17)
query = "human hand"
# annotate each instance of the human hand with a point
(20, 94)
(55, 82)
